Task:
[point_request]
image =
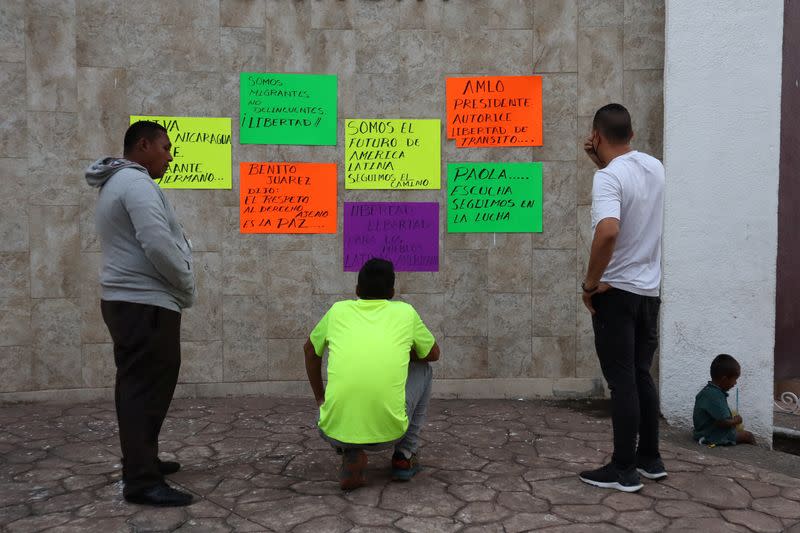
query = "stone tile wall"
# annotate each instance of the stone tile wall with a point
(506, 308)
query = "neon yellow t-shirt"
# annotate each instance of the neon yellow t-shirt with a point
(368, 353)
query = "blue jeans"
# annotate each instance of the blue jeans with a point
(418, 395)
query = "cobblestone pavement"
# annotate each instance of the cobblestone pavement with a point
(258, 464)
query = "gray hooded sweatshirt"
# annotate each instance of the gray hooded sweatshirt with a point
(146, 256)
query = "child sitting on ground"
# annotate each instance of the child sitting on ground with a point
(714, 424)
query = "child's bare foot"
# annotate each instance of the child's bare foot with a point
(744, 437)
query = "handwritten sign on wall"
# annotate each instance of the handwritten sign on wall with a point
(201, 152)
(406, 233)
(287, 197)
(287, 109)
(392, 154)
(494, 111)
(494, 197)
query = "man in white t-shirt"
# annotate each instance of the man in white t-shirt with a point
(621, 291)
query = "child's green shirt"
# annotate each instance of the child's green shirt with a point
(710, 406)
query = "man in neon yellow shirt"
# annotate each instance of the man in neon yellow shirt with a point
(379, 379)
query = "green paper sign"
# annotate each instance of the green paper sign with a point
(201, 152)
(287, 109)
(494, 198)
(392, 154)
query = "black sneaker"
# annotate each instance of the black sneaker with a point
(168, 467)
(609, 477)
(161, 495)
(652, 469)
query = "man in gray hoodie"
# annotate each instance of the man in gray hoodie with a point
(147, 279)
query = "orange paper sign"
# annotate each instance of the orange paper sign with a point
(494, 111)
(287, 197)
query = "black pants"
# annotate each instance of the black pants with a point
(147, 352)
(626, 337)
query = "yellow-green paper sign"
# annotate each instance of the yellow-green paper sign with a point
(201, 152)
(392, 154)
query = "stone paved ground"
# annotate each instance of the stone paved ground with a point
(257, 464)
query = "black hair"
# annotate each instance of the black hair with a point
(376, 280)
(724, 366)
(143, 129)
(614, 123)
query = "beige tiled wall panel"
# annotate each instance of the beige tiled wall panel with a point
(503, 307)
(15, 302)
(55, 267)
(16, 367)
(50, 49)
(13, 119)
(245, 353)
(57, 361)
(99, 370)
(555, 36)
(12, 31)
(14, 224)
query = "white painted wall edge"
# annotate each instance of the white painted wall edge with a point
(722, 83)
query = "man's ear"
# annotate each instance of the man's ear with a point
(358, 291)
(391, 293)
(143, 144)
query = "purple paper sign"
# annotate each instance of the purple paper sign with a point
(405, 233)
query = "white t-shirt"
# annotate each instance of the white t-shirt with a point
(631, 189)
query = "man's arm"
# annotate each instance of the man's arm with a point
(152, 226)
(729, 422)
(603, 243)
(314, 371)
(433, 355)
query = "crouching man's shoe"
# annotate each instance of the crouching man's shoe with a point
(161, 495)
(351, 476)
(609, 477)
(403, 469)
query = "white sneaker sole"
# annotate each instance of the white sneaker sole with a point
(648, 475)
(612, 485)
